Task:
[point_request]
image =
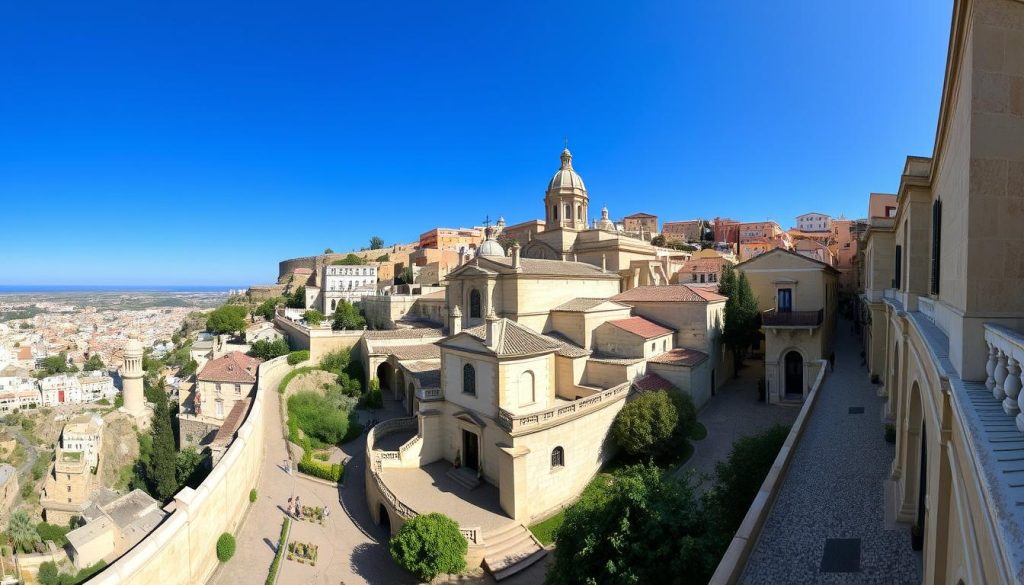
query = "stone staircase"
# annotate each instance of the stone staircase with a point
(464, 477)
(510, 550)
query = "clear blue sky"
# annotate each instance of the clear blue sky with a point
(182, 142)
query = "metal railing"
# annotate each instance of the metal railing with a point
(776, 318)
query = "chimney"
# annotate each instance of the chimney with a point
(455, 321)
(491, 327)
(516, 264)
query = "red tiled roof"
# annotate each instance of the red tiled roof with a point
(24, 353)
(704, 265)
(680, 357)
(676, 293)
(226, 432)
(233, 367)
(651, 382)
(642, 327)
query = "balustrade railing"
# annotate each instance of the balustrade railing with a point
(889, 293)
(428, 394)
(513, 423)
(927, 307)
(1005, 356)
(775, 318)
(374, 457)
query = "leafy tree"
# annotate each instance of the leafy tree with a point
(687, 413)
(645, 425)
(297, 300)
(406, 276)
(189, 467)
(739, 478)
(57, 364)
(328, 250)
(313, 317)
(376, 243)
(265, 349)
(94, 363)
(350, 260)
(267, 308)
(227, 319)
(384, 258)
(162, 468)
(22, 531)
(642, 527)
(336, 361)
(742, 321)
(429, 545)
(658, 240)
(346, 316)
(48, 574)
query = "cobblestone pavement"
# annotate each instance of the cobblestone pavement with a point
(734, 411)
(834, 489)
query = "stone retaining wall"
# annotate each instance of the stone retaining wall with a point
(730, 568)
(182, 550)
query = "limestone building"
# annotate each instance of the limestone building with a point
(567, 235)
(131, 377)
(797, 297)
(814, 222)
(944, 312)
(73, 477)
(539, 357)
(223, 385)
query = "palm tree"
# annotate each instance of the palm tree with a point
(21, 531)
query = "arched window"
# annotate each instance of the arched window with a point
(579, 213)
(554, 213)
(527, 389)
(469, 379)
(334, 304)
(474, 304)
(557, 457)
(568, 212)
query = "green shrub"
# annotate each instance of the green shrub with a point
(225, 547)
(740, 476)
(336, 361)
(318, 418)
(253, 495)
(645, 425)
(298, 356)
(267, 350)
(58, 534)
(373, 399)
(320, 456)
(328, 471)
(313, 317)
(48, 574)
(272, 575)
(686, 412)
(89, 571)
(429, 545)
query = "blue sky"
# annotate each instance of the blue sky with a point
(193, 143)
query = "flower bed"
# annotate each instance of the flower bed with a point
(313, 514)
(302, 552)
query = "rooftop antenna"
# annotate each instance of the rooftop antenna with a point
(565, 141)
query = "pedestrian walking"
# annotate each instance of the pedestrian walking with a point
(289, 506)
(289, 465)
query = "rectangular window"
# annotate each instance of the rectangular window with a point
(899, 267)
(785, 300)
(238, 388)
(936, 243)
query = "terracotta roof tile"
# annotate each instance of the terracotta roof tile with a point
(412, 333)
(538, 267)
(232, 367)
(641, 327)
(566, 348)
(226, 432)
(582, 305)
(651, 382)
(680, 357)
(676, 293)
(420, 351)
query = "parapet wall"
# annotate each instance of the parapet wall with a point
(182, 550)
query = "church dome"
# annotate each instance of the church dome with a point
(566, 178)
(490, 247)
(604, 223)
(133, 347)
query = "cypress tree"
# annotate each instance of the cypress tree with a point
(163, 459)
(727, 284)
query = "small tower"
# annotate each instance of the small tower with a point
(131, 376)
(455, 321)
(566, 199)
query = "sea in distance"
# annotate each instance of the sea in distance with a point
(104, 288)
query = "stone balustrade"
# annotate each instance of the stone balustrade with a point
(513, 423)
(429, 394)
(1005, 356)
(926, 306)
(376, 457)
(889, 293)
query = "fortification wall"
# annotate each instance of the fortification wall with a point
(182, 550)
(319, 342)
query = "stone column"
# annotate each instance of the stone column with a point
(512, 482)
(1011, 387)
(1000, 377)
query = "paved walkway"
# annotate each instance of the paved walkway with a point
(833, 494)
(733, 412)
(429, 489)
(350, 549)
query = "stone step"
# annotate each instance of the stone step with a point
(464, 477)
(511, 550)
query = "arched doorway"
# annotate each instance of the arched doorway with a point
(383, 518)
(794, 374)
(385, 376)
(400, 376)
